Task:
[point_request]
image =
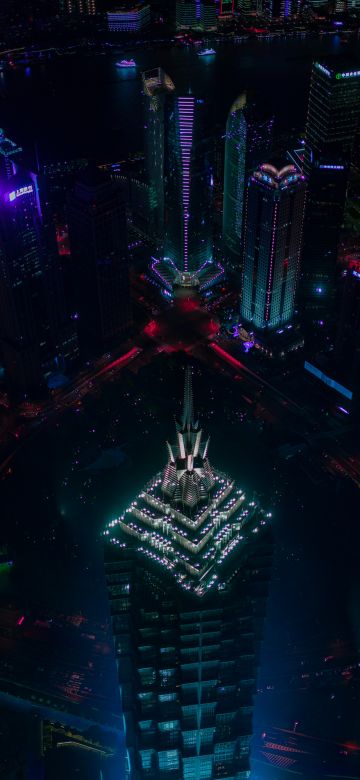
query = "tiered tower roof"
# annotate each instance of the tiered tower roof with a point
(190, 518)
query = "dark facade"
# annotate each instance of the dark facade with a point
(273, 231)
(35, 334)
(247, 144)
(157, 85)
(98, 243)
(187, 589)
(332, 122)
(347, 345)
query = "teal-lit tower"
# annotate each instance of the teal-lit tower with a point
(247, 143)
(272, 242)
(187, 568)
(157, 86)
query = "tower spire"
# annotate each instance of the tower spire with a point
(188, 411)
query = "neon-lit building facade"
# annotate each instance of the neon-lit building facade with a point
(187, 14)
(247, 142)
(196, 15)
(273, 231)
(187, 566)
(188, 184)
(129, 18)
(226, 7)
(157, 85)
(332, 122)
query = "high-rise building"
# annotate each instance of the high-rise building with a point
(131, 17)
(332, 123)
(86, 7)
(187, 14)
(187, 566)
(188, 184)
(208, 17)
(196, 15)
(247, 143)
(98, 244)
(273, 10)
(34, 331)
(157, 85)
(226, 8)
(272, 242)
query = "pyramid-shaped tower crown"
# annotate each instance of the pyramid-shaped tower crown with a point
(190, 517)
(187, 478)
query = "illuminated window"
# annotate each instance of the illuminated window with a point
(168, 760)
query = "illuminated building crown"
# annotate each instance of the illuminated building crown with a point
(188, 478)
(190, 518)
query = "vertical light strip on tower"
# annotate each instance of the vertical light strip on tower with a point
(269, 287)
(186, 107)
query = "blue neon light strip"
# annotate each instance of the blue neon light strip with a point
(327, 380)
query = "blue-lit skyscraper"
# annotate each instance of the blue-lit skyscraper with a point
(188, 184)
(247, 143)
(273, 230)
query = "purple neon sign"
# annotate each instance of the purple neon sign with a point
(14, 194)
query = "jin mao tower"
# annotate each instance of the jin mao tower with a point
(187, 568)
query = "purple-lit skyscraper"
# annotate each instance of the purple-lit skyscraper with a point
(188, 184)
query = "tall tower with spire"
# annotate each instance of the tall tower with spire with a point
(187, 568)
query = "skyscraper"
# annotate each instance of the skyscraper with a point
(98, 244)
(247, 142)
(208, 17)
(280, 9)
(34, 330)
(187, 569)
(187, 14)
(273, 230)
(157, 85)
(129, 17)
(188, 184)
(332, 122)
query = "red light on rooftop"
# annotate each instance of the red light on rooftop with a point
(151, 328)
